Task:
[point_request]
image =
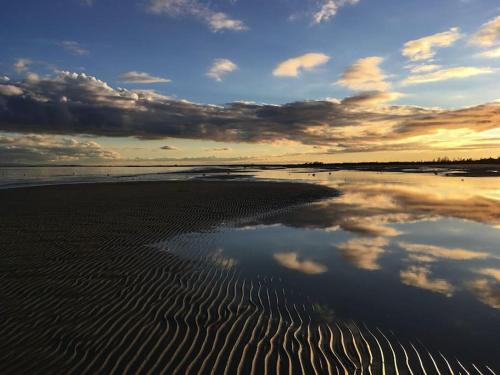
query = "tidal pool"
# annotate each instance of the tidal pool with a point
(415, 258)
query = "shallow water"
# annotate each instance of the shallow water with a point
(412, 259)
(12, 177)
(414, 255)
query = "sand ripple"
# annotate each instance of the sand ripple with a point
(106, 280)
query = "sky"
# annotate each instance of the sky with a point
(248, 81)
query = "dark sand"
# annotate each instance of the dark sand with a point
(82, 292)
(105, 279)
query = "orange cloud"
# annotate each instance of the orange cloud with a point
(291, 260)
(292, 67)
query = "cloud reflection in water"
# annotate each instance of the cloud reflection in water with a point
(291, 260)
(381, 218)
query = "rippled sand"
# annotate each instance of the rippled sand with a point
(99, 279)
(82, 291)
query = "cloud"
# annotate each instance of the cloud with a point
(491, 272)
(21, 65)
(221, 67)
(425, 68)
(364, 252)
(489, 54)
(488, 34)
(371, 98)
(169, 148)
(221, 21)
(34, 148)
(31, 78)
(10, 90)
(365, 75)
(213, 160)
(341, 213)
(425, 48)
(329, 8)
(219, 259)
(141, 77)
(488, 292)
(420, 277)
(421, 258)
(443, 252)
(291, 260)
(367, 209)
(479, 118)
(74, 47)
(75, 104)
(445, 74)
(294, 66)
(217, 21)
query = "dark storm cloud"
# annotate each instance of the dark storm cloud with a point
(34, 148)
(78, 104)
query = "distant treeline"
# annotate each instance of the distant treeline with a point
(441, 160)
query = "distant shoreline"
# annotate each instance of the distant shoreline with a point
(470, 168)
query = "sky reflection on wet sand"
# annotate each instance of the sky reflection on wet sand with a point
(414, 254)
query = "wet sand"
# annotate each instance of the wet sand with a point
(450, 170)
(84, 291)
(107, 279)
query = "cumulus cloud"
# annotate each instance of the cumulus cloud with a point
(364, 252)
(365, 75)
(217, 21)
(294, 66)
(71, 103)
(10, 90)
(141, 77)
(74, 47)
(32, 78)
(329, 8)
(35, 148)
(291, 260)
(22, 64)
(425, 48)
(488, 34)
(445, 74)
(420, 277)
(221, 67)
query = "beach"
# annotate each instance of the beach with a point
(212, 275)
(84, 288)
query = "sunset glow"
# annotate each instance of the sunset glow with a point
(191, 81)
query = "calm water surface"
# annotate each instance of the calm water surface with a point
(414, 255)
(12, 177)
(411, 254)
